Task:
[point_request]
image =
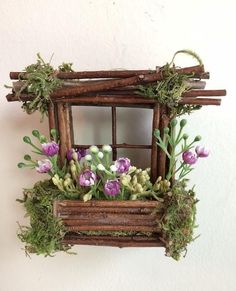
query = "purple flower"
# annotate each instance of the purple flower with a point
(50, 149)
(122, 165)
(87, 178)
(44, 166)
(189, 158)
(201, 152)
(80, 153)
(112, 187)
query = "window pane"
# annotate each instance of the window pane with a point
(134, 125)
(92, 125)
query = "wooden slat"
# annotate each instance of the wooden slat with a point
(114, 241)
(154, 152)
(64, 126)
(114, 140)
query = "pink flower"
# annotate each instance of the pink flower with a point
(112, 187)
(44, 166)
(189, 158)
(87, 178)
(122, 165)
(201, 152)
(50, 149)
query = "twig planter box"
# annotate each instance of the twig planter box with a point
(138, 217)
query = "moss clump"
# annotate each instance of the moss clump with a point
(178, 222)
(45, 233)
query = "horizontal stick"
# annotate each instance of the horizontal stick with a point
(200, 101)
(114, 241)
(117, 146)
(92, 74)
(139, 228)
(74, 210)
(196, 93)
(103, 203)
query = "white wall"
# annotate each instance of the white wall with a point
(106, 34)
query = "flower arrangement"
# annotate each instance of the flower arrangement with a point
(91, 174)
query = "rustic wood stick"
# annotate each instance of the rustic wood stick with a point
(196, 93)
(117, 146)
(63, 111)
(104, 203)
(114, 241)
(93, 74)
(154, 152)
(140, 228)
(121, 100)
(74, 210)
(106, 85)
(164, 121)
(114, 141)
(52, 117)
(200, 101)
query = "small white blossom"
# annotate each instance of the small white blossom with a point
(100, 155)
(100, 167)
(113, 168)
(94, 149)
(88, 158)
(107, 148)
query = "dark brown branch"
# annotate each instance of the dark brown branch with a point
(114, 241)
(94, 74)
(154, 153)
(114, 149)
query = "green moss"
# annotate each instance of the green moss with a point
(45, 233)
(178, 222)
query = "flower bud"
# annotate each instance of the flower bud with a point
(139, 188)
(173, 122)
(100, 155)
(21, 165)
(157, 132)
(94, 149)
(27, 157)
(133, 197)
(113, 168)
(100, 167)
(183, 122)
(74, 156)
(185, 136)
(36, 133)
(107, 148)
(26, 139)
(88, 158)
(198, 138)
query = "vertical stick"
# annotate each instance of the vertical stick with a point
(164, 121)
(52, 117)
(114, 150)
(155, 149)
(64, 124)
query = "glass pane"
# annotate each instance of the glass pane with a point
(92, 125)
(134, 125)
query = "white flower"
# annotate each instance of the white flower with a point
(100, 167)
(88, 158)
(100, 155)
(94, 149)
(113, 168)
(107, 148)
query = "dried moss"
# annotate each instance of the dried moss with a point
(178, 222)
(45, 233)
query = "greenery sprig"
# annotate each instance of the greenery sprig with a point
(41, 81)
(170, 142)
(169, 91)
